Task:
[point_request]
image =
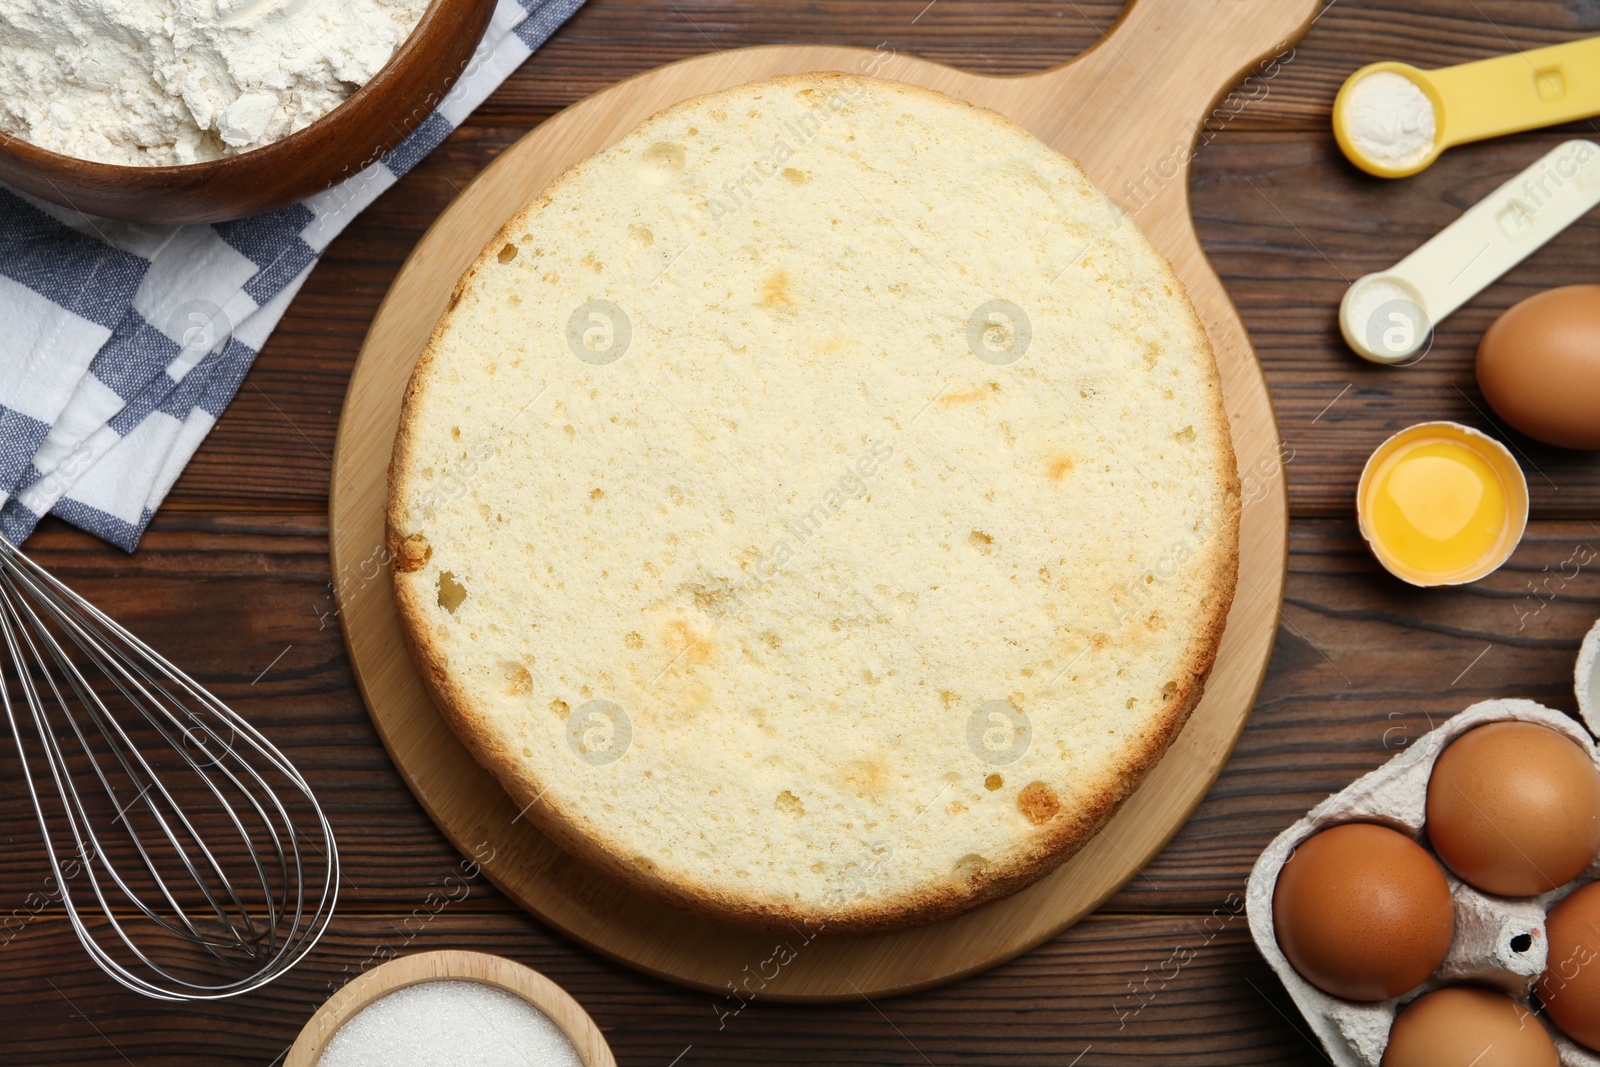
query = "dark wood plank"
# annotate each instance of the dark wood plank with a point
(235, 573)
(1114, 990)
(1287, 222)
(1363, 665)
(609, 41)
(244, 604)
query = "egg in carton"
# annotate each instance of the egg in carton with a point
(1498, 941)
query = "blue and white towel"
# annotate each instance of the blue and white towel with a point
(121, 343)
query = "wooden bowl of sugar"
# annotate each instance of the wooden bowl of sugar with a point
(370, 122)
(437, 1008)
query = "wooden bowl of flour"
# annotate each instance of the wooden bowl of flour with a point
(373, 120)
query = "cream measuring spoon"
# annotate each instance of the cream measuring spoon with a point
(1388, 317)
(1470, 102)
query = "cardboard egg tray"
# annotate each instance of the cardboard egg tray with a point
(1498, 941)
(1586, 679)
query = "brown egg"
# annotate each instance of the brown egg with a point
(1463, 1026)
(1363, 912)
(1514, 808)
(1570, 986)
(1539, 366)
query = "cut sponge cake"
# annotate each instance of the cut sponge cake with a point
(818, 506)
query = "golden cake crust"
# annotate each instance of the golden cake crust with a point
(1055, 827)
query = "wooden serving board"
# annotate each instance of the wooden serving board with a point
(1129, 110)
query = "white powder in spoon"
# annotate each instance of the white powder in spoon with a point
(1386, 317)
(1390, 119)
(159, 82)
(449, 1023)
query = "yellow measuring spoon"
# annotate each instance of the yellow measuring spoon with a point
(1376, 121)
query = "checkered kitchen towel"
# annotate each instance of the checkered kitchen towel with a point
(120, 344)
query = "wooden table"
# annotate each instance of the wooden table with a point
(232, 581)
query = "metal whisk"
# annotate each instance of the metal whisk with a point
(199, 902)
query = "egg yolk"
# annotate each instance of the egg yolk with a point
(1438, 509)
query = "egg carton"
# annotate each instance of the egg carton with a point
(1498, 941)
(1586, 680)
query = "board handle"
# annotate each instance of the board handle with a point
(1190, 52)
(1147, 90)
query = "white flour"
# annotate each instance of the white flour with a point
(1390, 119)
(157, 82)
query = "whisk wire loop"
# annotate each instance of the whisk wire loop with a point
(145, 779)
(186, 884)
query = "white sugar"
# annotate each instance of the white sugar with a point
(449, 1024)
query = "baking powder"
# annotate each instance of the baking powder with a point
(1390, 119)
(158, 82)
